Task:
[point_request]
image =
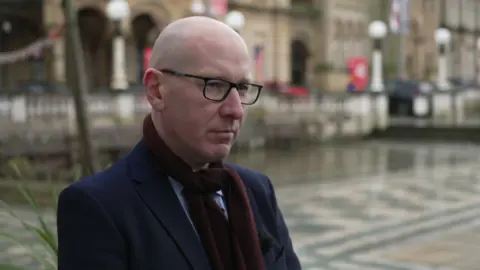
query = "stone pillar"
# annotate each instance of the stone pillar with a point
(59, 57)
(125, 106)
(421, 105)
(380, 110)
(458, 103)
(282, 52)
(442, 107)
(19, 109)
(367, 121)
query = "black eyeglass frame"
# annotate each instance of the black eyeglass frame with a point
(207, 79)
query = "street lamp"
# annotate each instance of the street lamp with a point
(197, 7)
(236, 20)
(377, 30)
(442, 38)
(118, 11)
(6, 27)
(478, 60)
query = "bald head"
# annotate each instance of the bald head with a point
(194, 63)
(186, 40)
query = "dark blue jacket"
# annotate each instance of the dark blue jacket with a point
(128, 217)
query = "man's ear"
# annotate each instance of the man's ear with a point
(153, 85)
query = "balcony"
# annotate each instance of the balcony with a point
(298, 8)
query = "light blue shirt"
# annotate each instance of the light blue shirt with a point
(178, 188)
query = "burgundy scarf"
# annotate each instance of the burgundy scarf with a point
(231, 244)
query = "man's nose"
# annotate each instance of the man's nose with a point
(232, 105)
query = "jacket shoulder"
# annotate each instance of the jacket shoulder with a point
(100, 185)
(254, 180)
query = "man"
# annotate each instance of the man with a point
(171, 203)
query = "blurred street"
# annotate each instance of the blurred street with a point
(368, 205)
(350, 90)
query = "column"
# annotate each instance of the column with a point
(59, 65)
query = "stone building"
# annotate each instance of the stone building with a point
(420, 46)
(462, 18)
(305, 42)
(346, 24)
(338, 33)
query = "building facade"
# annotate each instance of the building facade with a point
(337, 34)
(420, 47)
(304, 42)
(462, 18)
(412, 54)
(346, 23)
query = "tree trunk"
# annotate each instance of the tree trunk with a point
(80, 90)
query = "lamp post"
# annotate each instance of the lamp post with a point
(5, 28)
(118, 11)
(442, 38)
(478, 61)
(202, 7)
(377, 30)
(197, 7)
(236, 20)
(444, 107)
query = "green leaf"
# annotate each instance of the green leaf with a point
(25, 192)
(11, 267)
(12, 214)
(44, 234)
(34, 253)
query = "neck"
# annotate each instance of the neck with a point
(174, 145)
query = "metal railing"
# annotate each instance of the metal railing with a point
(49, 119)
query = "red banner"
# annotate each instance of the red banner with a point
(147, 53)
(358, 71)
(219, 7)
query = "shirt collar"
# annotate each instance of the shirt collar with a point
(178, 188)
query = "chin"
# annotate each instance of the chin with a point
(218, 152)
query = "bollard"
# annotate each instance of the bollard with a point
(19, 109)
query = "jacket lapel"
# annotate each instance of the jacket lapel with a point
(158, 195)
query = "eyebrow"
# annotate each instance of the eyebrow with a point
(243, 80)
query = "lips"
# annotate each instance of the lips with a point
(224, 136)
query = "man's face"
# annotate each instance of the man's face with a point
(206, 128)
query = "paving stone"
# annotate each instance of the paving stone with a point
(454, 251)
(414, 219)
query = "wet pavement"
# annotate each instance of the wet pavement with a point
(370, 205)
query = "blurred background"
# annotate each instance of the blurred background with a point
(368, 124)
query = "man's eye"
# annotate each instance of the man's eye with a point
(216, 84)
(242, 87)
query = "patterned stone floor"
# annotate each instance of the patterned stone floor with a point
(388, 223)
(417, 219)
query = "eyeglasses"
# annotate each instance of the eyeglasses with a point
(217, 89)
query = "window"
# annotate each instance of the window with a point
(339, 29)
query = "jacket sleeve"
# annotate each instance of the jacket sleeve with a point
(87, 236)
(291, 258)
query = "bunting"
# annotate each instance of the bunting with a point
(34, 49)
